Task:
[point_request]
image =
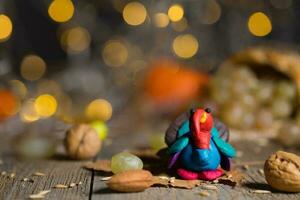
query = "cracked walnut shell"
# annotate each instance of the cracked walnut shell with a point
(282, 171)
(82, 142)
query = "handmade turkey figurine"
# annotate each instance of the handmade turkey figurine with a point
(197, 145)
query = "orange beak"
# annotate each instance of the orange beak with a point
(203, 117)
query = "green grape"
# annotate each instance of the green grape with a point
(248, 120)
(264, 119)
(248, 100)
(125, 161)
(264, 92)
(289, 134)
(219, 90)
(298, 118)
(281, 107)
(157, 141)
(286, 90)
(238, 88)
(232, 114)
(245, 76)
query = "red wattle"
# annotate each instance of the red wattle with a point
(201, 138)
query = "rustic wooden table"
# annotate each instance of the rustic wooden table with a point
(60, 170)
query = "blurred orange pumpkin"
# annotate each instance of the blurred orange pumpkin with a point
(169, 83)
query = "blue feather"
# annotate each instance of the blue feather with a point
(179, 145)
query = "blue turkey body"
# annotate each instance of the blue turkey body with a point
(196, 159)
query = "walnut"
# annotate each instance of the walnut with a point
(82, 142)
(282, 171)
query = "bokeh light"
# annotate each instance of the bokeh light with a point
(134, 13)
(185, 46)
(8, 104)
(61, 10)
(259, 24)
(75, 40)
(28, 112)
(175, 12)
(99, 109)
(211, 14)
(45, 105)
(33, 67)
(47, 86)
(161, 20)
(115, 53)
(18, 88)
(101, 128)
(6, 27)
(180, 25)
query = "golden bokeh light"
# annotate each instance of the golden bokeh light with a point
(175, 12)
(45, 105)
(185, 46)
(19, 88)
(75, 40)
(115, 53)
(181, 25)
(6, 27)
(134, 13)
(161, 20)
(259, 24)
(47, 86)
(28, 112)
(211, 14)
(61, 10)
(99, 109)
(33, 67)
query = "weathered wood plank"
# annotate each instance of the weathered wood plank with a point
(56, 172)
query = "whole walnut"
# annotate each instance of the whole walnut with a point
(82, 142)
(282, 171)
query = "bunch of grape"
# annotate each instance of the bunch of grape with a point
(245, 101)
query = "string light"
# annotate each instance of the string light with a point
(134, 13)
(175, 12)
(6, 27)
(211, 14)
(19, 88)
(45, 105)
(61, 10)
(185, 46)
(180, 25)
(75, 40)
(33, 67)
(115, 53)
(161, 20)
(99, 109)
(28, 112)
(259, 24)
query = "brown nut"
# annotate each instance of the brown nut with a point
(282, 171)
(131, 181)
(82, 142)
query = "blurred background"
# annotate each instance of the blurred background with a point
(133, 66)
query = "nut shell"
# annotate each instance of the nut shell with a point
(82, 142)
(131, 181)
(282, 171)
